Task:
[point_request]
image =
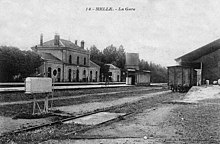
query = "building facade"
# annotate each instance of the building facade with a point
(115, 73)
(65, 61)
(143, 78)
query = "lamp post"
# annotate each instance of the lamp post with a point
(53, 81)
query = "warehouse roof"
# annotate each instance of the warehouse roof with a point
(196, 54)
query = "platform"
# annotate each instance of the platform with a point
(67, 87)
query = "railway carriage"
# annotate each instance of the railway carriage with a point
(181, 78)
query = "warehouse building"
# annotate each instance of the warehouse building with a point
(65, 61)
(205, 60)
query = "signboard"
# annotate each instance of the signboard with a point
(38, 85)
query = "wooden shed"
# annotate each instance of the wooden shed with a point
(136, 77)
(143, 77)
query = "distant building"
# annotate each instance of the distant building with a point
(66, 61)
(143, 77)
(134, 75)
(115, 73)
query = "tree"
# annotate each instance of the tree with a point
(105, 72)
(120, 57)
(95, 53)
(97, 57)
(158, 73)
(32, 62)
(110, 54)
(17, 64)
(116, 56)
(120, 61)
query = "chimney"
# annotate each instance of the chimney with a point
(41, 40)
(57, 39)
(75, 42)
(82, 44)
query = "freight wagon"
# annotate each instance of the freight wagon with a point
(181, 78)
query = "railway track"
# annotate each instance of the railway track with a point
(70, 118)
(74, 133)
(61, 121)
(71, 132)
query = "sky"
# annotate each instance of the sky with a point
(159, 30)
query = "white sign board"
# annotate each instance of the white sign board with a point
(38, 85)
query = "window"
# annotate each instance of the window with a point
(110, 73)
(84, 76)
(96, 76)
(54, 72)
(69, 76)
(49, 72)
(90, 76)
(70, 59)
(59, 75)
(77, 75)
(84, 61)
(77, 60)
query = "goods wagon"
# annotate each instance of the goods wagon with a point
(181, 78)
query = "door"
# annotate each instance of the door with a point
(133, 79)
(77, 75)
(90, 76)
(59, 75)
(117, 78)
(69, 75)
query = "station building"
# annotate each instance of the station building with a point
(65, 61)
(205, 60)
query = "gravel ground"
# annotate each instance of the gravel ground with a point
(86, 107)
(21, 96)
(197, 123)
(149, 126)
(170, 124)
(80, 103)
(12, 110)
(56, 132)
(7, 111)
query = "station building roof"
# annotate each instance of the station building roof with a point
(62, 43)
(92, 64)
(58, 43)
(48, 56)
